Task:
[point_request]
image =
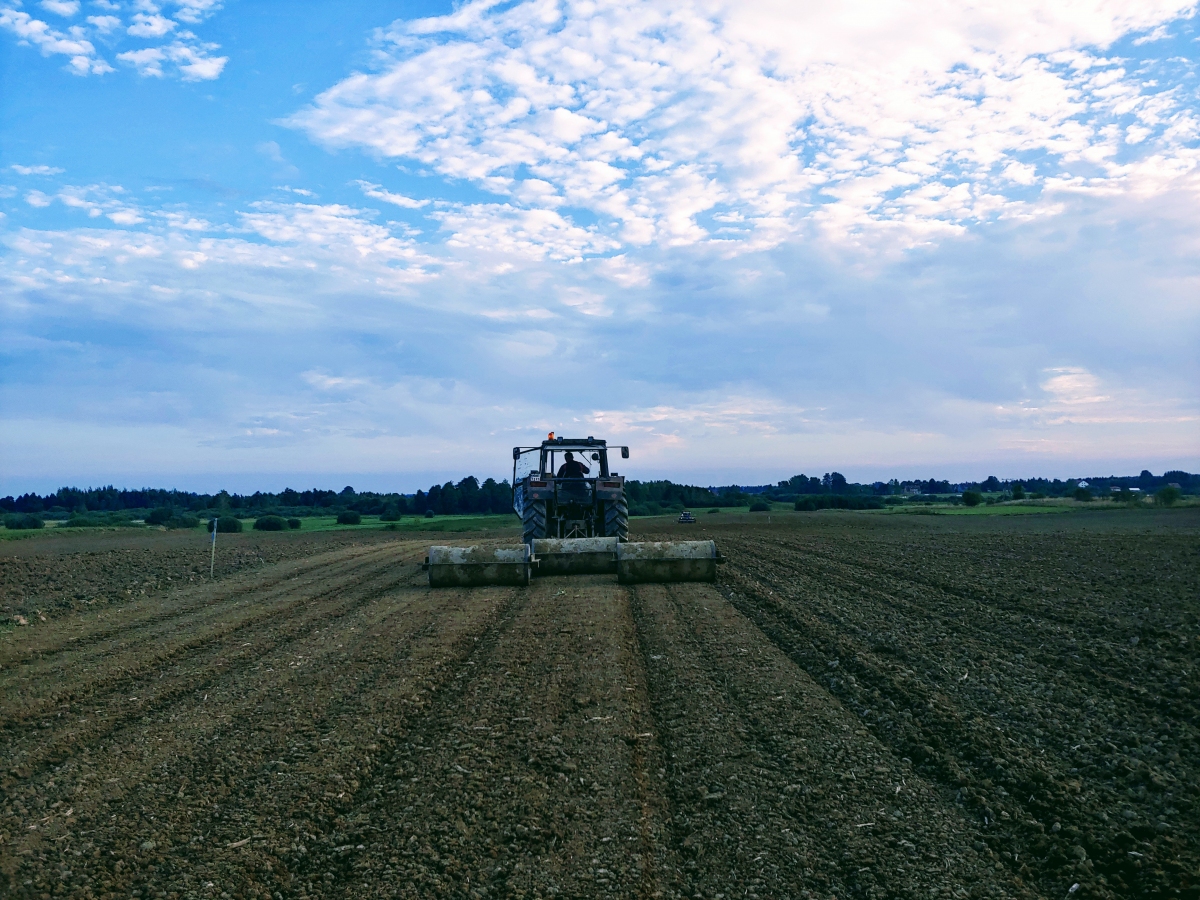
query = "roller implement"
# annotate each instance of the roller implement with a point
(575, 521)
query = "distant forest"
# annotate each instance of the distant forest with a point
(470, 496)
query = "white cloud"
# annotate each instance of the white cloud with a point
(36, 170)
(126, 217)
(185, 222)
(331, 382)
(94, 199)
(194, 11)
(61, 7)
(504, 230)
(191, 61)
(148, 62)
(194, 63)
(713, 368)
(104, 24)
(150, 26)
(1157, 34)
(272, 151)
(1073, 386)
(587, 302)
(377, 192)
(336, 229)
(742, 124)
(624, 271)
(83, 59)
(1020, 173)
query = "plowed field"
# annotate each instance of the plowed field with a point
(862, 706)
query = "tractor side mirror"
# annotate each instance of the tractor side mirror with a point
(624, 453)
(516, 452)
(596, 457)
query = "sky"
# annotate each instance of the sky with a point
(250, 245)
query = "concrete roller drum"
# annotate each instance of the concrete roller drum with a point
(667, 561)
(576, 556)
(478, 566)
(633, 563)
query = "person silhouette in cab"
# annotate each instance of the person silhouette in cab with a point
(572, 468)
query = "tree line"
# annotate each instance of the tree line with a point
(465, 496)
(471, 496)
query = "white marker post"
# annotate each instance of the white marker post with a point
(213, 559)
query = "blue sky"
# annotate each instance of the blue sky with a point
(265, 244)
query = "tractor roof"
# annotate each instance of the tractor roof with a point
(572, 442)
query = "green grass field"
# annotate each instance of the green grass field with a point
(724, 515)
(407, 523)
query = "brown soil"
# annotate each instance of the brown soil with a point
(861, 707)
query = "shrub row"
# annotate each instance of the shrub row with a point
(100, 520)
(275, 523)
(813, 502)
(22, 522)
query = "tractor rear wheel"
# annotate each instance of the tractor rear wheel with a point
(616, 520)
(533, 521)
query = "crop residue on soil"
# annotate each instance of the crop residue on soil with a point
(860, 707)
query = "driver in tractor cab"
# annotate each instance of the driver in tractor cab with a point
(571, 468)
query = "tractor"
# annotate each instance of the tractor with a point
(554, 504)
(573, 522)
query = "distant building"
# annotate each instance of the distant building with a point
(1083, 484)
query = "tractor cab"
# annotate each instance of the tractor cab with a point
(546, 460)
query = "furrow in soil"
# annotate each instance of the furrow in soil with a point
(131, 684)
(1005, 669)
(232, 785)
(530, 775)
(774, 787)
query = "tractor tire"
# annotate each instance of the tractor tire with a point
(533, 521)
(616, 520)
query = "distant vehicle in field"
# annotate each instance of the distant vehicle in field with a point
(686, 518)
